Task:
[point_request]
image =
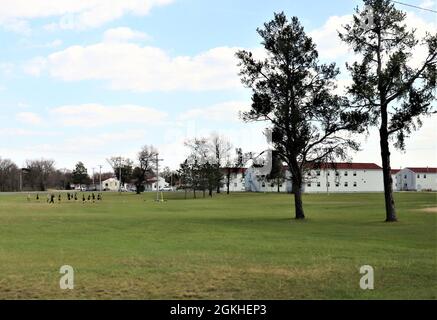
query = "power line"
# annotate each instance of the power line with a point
(413, 6)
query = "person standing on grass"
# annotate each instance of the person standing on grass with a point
(37, 197)
(52, 198)
(83, 198)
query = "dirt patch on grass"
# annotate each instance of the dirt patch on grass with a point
(429, 210)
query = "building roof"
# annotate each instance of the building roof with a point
(350, 166)
(234, 169)
(394, 171)
(423, 170)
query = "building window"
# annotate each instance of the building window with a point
(280, 185)
(345, 173)
(418, 176)
(355, 173)
(328, 173)
(328, 184)
(345, 184)
(318, 184)
(355, 184)
(263, 185)
(405, 176)
(424, 176)
(337, 173)
(309, 173)
(272, 185)
(337, 184)
(309, 184)
(235, 184)
(318, 173)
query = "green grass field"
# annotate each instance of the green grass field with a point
(238, 246)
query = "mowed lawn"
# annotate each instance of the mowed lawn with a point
(238, 246)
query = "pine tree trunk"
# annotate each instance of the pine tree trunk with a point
(228, 181)
(390, 210)
(298, 207)
(297, 188)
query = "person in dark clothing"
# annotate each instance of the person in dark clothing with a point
(59, 198)
(52, 198)
(83, 198)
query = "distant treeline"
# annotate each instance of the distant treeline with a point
(36, 175)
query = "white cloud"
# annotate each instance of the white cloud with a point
(94, 115)
(422, 27)
(421, 147)
(124, 34)
(14, 132)
(75, 14)
(29, 118)
(428, 4)
(16, 25)
(51, 44)
(226, 111)
(6, 68)
(129, 66)
(23, 105)
(331, 48)
(329, 45)
(35, 66)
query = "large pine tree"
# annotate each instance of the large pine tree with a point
(295, 93)
(385, 85)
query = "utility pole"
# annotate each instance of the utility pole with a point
(94, 183)
(157, 176)
(119, 170)
(113, 164)
(100, 178)
(63, 178)
(171, 180)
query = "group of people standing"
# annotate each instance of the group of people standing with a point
(70, 197)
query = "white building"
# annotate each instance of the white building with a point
(152, 184)
(417, 179)
(396, 179)
(259, 183)
(338, 177)
(236, 179)
(345, 177)
(111, 184)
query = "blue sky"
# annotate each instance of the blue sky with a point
(90, 79)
